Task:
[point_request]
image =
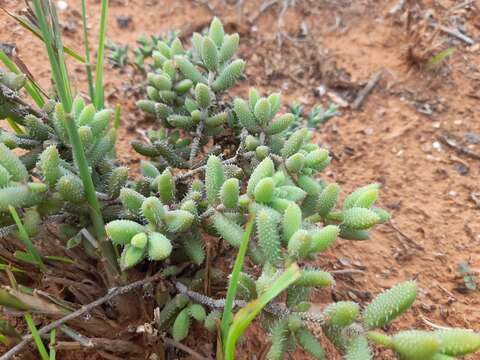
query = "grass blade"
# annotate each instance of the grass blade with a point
(14, 126)
(30, 86)
(60, 76)
(246, 315)
(64, 93)
(53, 352)
(88, 63)
(26, 239)
(232, 287)
(99, 90)
(59, 46)
(37, 33)
(438, 58)
(106, 247)
(36, 337)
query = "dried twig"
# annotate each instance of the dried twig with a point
(185, 348)
(399, 5)
(346, 271)
(7, 230)
(433, 325)
(362, 94)
(263, 7)
(23, 107)
(403, 235)
(196, 140)
(455, 33)
(276, 309)
(84, 309)
(452, 142)
(192, 172)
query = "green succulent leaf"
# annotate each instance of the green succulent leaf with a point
(389, 304)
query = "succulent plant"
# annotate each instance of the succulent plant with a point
(270, 172)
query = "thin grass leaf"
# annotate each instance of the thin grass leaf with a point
(116, 117)
(36, 337)
(45, 29)
(232, 287)
(247, 314)
(88, 64)
(438, 58)
(30, 86)
(32, 251)
(60, 77)
(37, 33)
(53, 351)
(62, 259)
(4, 267)
(99, 90)
(18, 130)
(59, 47)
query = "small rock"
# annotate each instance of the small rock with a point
(7, 48)
(472, 138)
(321, 90)
(461, 169)
(437, 146)
(368, 131)
(123, 21)
(381, 112)
(62, 5)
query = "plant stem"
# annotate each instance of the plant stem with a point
(36, 337)
(62, 83)
(88, 64)
(232, 287)
(30, 86)
(106, 247)
(14, 126)
(247, 314)
(63, 92)
(99, 90)
(26, 239)
(53, 352)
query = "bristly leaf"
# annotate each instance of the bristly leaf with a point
(388, 305)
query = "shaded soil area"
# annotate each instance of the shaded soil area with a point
(417, 133)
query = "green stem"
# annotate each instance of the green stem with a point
(53, 352)
(60, 77)
(26, 239)
(99, 90)
(36, 337)
(15, 126)
(88, 64)
(30, 86)
(247, 314)
(232, 287)
(63, 92)
(106, 247)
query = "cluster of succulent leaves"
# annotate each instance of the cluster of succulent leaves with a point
(316, 117)
(146, 46)
(118, 56)
(37, 171)
(164, 215)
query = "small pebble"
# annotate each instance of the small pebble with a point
(123, 21)
(461, 169)
(62, 5)
(437, 146)
(472, 138)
